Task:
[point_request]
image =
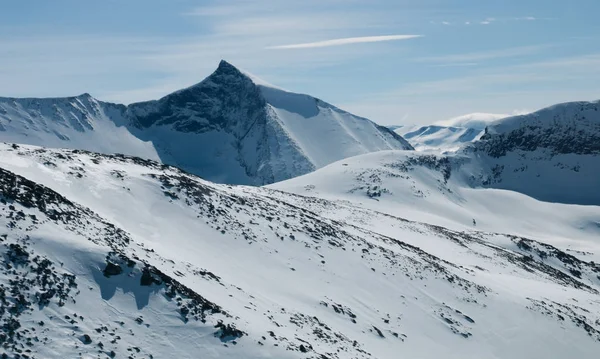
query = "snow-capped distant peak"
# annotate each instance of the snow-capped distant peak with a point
(475, 120)
(448, 135)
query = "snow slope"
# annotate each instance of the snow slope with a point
(533, 175)
(229, 128)
(128, 257)
(441, 190)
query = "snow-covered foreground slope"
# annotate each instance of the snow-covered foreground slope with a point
(118, 256)
(229, 128)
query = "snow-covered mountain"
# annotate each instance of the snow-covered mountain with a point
(448, 135)
(435, 137)
(229, 128)
(114, 256)
(552, 154)
(476, 120)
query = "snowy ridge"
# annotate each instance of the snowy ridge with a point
(229, 128)
(248, 272)
(74, 122)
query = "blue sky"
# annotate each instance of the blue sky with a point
(440, 58)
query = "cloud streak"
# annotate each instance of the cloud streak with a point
(474, 57)
(345, 41)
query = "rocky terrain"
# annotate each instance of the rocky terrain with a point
(117, 256)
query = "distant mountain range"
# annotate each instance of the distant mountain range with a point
(447, 135)
(551, 154)
(229, 128)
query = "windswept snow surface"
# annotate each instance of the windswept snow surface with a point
(118, 256)
(534, 175)
(229, 128)
(442, 190)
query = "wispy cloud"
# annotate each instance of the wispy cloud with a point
(473, 57)
(208, 11)
(132, 68)
(489, 20)
(458, 64)
(525, 18)
(346, 41)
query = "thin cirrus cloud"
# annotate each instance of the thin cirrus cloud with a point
(345, 41)
(489, 21)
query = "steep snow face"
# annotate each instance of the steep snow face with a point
(434, 137)
(552, 154)
(118, 256)
(228, 129)
(324, 133)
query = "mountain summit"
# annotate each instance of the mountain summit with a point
(229, 128)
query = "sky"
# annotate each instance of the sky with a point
(393, 61)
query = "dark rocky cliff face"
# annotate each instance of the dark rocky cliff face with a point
(562, 129)
(226, 100)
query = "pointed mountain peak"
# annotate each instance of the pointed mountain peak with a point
(225, 64)
(85, 96)
(228, 69)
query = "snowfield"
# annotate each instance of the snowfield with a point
(114, 256)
